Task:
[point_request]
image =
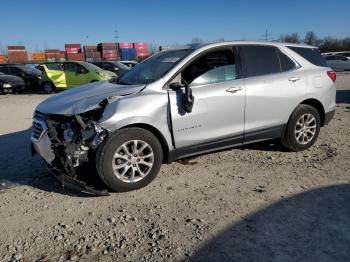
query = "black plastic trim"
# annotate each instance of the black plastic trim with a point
(251, 137)
(328, 117)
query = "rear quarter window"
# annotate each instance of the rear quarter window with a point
(259, 60)
(313, 55)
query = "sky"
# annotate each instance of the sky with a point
(50, 24)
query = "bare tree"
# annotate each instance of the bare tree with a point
(196, 40)
(290, 38)
(311, 38)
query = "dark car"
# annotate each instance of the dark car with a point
(31, 76)
(11, 84)
(118, 68)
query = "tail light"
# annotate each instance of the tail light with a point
(332, 75)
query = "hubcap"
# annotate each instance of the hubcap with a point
(133, 161)
(305, 129)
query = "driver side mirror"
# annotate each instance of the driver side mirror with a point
(187, 98)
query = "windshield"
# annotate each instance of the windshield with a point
(91, 67)
(153, 68)
(121, 66)
(30, 70)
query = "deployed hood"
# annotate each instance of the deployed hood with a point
(14, 80)
(84, 98)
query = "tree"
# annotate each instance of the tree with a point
(290, 38)
(311, 39)
(196, 40)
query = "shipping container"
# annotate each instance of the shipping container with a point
(128, 53)
(72, 48)
(38, 56)
(3, 59)
(16, 47)
(125, 45)
(75, 56)
(141, 45)
(17, 56)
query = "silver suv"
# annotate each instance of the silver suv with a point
(184, 102)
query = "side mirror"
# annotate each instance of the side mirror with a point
(80, 71)
(187, 98)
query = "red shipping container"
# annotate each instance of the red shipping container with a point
(75, 56)
(16, 47)
(141, 45)
(126, 45)
(73, 48)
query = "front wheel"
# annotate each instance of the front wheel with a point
(302, 129)
(130, 159)
(49, 87)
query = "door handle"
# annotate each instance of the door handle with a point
(294, 79)
(234, 89)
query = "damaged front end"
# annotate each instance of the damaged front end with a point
(68, 142)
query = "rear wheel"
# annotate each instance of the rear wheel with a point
(130, 159)
(49, 87)
(302, 129)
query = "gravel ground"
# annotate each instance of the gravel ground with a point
(257, 203)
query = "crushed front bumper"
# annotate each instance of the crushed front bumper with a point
(72, 183)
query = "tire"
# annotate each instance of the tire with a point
(302, 128)
(112, 155)
(49, 87)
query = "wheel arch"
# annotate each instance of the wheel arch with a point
(319, 107)
(157, 134)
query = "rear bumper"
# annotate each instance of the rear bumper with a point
(328, 117)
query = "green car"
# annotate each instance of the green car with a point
(63, 75)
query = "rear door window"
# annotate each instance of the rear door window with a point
(313, 55)
(259, 60)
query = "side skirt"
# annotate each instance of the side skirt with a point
(251, 137)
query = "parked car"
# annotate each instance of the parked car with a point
(63, 75)
(185, 102)
(31, 76)
(338, 62)
(130, 64)
(343, 53)
(118, 68)
(11, 84)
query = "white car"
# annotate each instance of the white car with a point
(338, 62)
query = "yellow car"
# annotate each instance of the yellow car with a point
(63, 75)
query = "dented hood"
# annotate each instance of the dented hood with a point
(84, 98)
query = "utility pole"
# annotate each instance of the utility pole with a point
(266, 36)
(116, 36)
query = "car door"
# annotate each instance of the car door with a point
(75, 74)
(54, 73)
(274, 86)
(219, 98)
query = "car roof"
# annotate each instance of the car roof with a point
(195, 46)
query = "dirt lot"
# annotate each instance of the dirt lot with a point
(256, 203)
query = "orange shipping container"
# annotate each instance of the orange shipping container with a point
(3, 59)
(38, 56)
